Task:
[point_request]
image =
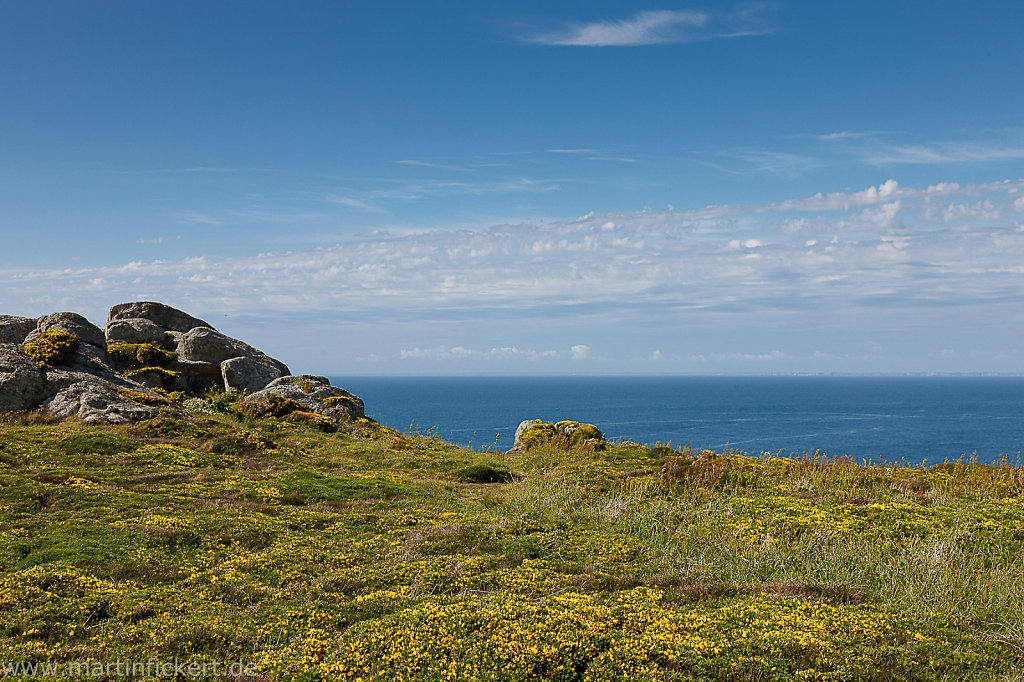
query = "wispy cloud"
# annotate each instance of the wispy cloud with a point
(655, 27)
(354, 203)
(200, 218)
(746, 161)
(158, 240)
(430, 164)
(940, 153)
(218, 170)
(420, 189)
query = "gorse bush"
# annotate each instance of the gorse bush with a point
(565, 435)
(52, 347)
(142, 354)
(269, 405)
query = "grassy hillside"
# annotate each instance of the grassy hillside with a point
(372, 554)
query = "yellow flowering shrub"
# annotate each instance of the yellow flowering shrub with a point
(52, 347)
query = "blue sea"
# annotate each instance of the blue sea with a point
(912, 419)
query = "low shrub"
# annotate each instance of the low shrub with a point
(313, 420)
(52, 348)
(143, 354)
(269, 405)
(565, 435)
(485, 473)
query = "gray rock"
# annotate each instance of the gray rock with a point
(135, 330)
(94, 399)
(247, 374)
(21, 381)
(517, 445)
(163, 316)
(86, 331)
(204, 344)
(523, 425)
(198, 376)
(14, 329)
(316, 393)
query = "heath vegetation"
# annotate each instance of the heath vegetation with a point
(365, 553)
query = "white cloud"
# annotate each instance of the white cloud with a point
(876, 248)
(579, 352)
(463, 353)
(158, 240)
(654, 27)
(719, 357)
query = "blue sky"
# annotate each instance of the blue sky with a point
(527, 188)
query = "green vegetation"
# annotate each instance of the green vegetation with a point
(52, 348)
(372, 554)
(145, 355)
(565, 435)
(338, 400)
(269, 405)
(142, 397)
(167, 375)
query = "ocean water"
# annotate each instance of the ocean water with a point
(868, 418)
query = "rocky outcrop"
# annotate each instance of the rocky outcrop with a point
(14, 329)
(21, 381)
(158, 315)
(247, 369)
(65, 364)
(564, 435)
(247, 374)
(315, 393)
(166, 348)
(85, 331)
(94, 399)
